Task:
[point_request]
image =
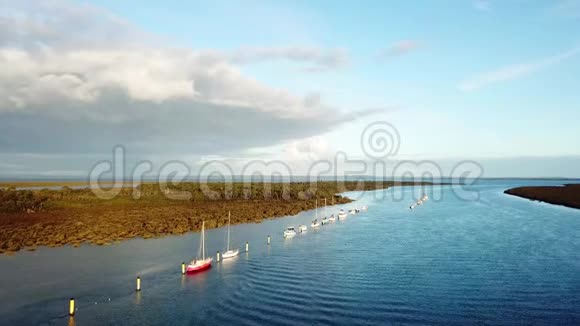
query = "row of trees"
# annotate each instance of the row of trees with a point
(12, 200)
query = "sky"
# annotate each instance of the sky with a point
(494, 82)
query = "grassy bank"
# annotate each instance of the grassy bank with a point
(31, 218)
(567, 195)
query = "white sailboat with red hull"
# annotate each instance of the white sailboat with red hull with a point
(197, 265)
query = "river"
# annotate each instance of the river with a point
(495, 260)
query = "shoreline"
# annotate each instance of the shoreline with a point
(75, 216)
(567, 195)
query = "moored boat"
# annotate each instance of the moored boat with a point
(302, 228)
(229, 253)
(332, 219)
(342, 214)
(289, 232)
(315, 222)
(197, 265)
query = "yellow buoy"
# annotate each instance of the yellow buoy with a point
(182, 268)
(71, 307)
(138, 284)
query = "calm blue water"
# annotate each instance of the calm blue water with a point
(496, 260)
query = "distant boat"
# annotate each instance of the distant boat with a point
(229, 253)
(302, 228)
(364, 208)
(197, 265)
(289, 232)
(332, 218)
(419, 202)
(315, 222)
(342, 214)
(412, 206)
(352, 211)
(326, 220)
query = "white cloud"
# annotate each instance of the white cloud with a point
(514, 71)
(77, 79)
(399, 48)
(319, 59)
(312, 149)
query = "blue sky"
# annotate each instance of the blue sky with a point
(456, 41)
(480, 80)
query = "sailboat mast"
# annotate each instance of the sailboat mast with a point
(229, 225)
(203, 240)
(317, 209)
(324, 206)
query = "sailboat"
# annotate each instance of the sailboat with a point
(197, 265)
(315, 223)
(229, 253)
(325, 219)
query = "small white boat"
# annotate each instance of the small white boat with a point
(302, 228)
(332, 219)
(425, 198)
(289, 232)
(315, 222)
(364, 208)
(229, 253)
(352, 211)
(325, 220)
(412, 206)
(342, 214)
(420, 202)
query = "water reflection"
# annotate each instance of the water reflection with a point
(137, 297)
(183, 278)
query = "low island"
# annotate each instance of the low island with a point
(66, 216)
(566, 195)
